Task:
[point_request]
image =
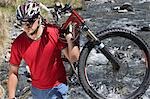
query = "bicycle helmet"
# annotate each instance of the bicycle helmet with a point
(27, 11)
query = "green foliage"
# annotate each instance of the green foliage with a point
(11, 7)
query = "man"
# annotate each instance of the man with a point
(40, 47)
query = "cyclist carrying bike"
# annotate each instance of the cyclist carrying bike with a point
(40, 47)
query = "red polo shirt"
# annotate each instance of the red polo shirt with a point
(43, 57)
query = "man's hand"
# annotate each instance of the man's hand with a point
(72, 51)
(69, 36)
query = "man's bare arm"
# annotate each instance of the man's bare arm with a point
(12, 80)
(71, 52)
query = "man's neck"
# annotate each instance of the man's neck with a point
(39, 32)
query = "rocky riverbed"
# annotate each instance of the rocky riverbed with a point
(99, 16)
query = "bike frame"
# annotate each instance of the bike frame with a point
(79, 22)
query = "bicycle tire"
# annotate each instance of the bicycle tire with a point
(112, 33)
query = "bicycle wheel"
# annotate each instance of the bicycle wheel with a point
(96, 72)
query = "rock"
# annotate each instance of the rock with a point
(123, 11)
(116, 8)
(143, 1)
(125, 23)
(126, 6)
(145, 28)
(97, 58)
(2, 92)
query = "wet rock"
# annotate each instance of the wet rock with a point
(77, 93)
(125, 23)
(143, 1)
(105, 1)
(147, 94)
(126, 7)
(145, 28)
(97, 58)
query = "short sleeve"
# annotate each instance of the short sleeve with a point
(15, 57)
(61, 45)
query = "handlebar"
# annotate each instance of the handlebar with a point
(59, 10)
(66, 8)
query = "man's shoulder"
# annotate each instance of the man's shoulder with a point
(19, 38)
(52, 28)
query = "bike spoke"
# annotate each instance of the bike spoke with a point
(105, 81)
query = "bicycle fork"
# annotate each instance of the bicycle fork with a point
(100, 47)
(114, 61)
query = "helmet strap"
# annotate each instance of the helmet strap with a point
(35, 31)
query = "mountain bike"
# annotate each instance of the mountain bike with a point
(112, 62)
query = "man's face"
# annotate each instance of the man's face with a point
(30, 26)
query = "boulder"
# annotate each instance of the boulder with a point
(126, 6)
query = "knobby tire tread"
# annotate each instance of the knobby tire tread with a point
(103, 34)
